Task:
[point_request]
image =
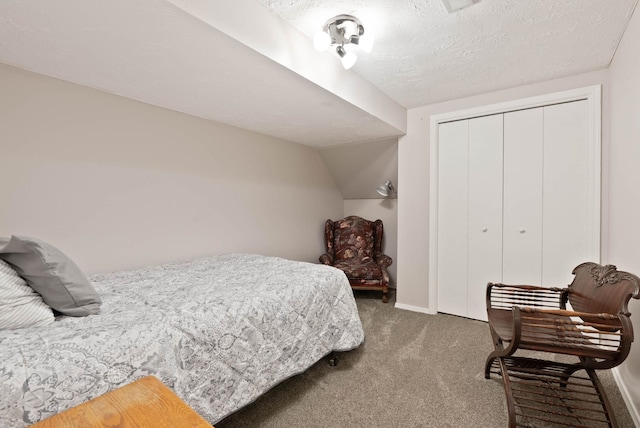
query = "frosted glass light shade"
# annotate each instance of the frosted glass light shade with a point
(348, 60)
(366, 41)
(321, 41)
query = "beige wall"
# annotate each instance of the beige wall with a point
(116, 183)
(624, 187)
(413, 179)
(387, 211)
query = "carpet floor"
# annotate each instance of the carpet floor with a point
(414, 370)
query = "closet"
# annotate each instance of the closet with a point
(515, 202)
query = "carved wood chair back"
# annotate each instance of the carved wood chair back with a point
(602, 289)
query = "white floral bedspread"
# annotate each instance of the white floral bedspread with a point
(219, 331)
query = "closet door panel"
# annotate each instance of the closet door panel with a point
(453, 178)
(523, 171)
(566, 191)
(485, 211)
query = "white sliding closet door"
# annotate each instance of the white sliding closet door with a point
(518, 201)
(567, 181)
(523, 172)
(485, 211)
(452, 216)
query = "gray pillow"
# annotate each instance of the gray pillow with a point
(51, 274)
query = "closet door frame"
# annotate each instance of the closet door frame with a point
(592, 94)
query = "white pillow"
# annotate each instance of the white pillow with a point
(20, 305)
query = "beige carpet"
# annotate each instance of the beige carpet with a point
(414, 370)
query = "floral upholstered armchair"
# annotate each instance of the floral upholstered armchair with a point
(354, 245)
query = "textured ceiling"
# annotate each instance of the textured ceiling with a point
(163, 53)
(423, 55)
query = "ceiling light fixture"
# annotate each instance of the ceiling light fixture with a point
(340, 31)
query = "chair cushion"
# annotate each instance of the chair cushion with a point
(361, 269)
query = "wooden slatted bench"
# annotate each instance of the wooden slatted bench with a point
(596, 330)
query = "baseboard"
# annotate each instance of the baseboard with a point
(414, 308)
(633, 410)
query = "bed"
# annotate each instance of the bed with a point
(220, 331)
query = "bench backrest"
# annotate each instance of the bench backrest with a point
(602, 289)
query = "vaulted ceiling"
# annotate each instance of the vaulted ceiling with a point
(251, 64)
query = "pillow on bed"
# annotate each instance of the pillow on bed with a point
(20, 306)
(51, 274)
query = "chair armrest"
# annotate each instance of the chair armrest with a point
(604, 340)
(382, 260)
(502, 296)
(326, 259)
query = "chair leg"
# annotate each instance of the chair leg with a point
(385, 295)
(506, 382)
(567, 373)
(333, 359)
(602, 395)
(499, 346)
(487, 367)
(498, 354)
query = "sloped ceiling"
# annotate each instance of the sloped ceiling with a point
(251, 63)
(360, 168)
(156, 52)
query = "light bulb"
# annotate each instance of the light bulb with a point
(348, 60)
(321, 41)
(366, 41)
